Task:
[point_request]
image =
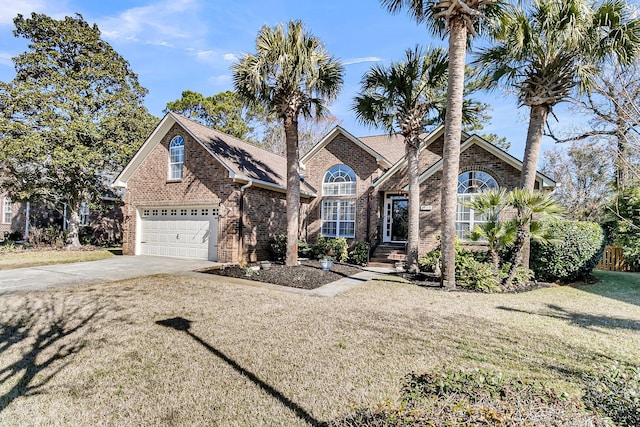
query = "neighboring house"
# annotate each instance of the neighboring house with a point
(12, 219)
(192, 191)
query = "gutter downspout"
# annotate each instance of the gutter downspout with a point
(241, 220)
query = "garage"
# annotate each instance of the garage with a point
(181, 232)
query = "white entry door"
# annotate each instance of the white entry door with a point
(182, 232)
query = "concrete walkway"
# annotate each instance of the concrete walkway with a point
(84, 273)
(128, 267)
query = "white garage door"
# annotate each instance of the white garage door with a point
(183, 232)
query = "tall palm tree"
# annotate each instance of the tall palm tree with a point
(290, 74)
(403, 98)
(553, 47)
(460, 19)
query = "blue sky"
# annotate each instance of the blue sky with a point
(174, 45)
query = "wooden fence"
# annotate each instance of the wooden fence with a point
(612, 259)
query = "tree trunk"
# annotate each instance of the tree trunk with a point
(414, 208)
(522, 237)
(451, 150)
(293, 188)
(537, 120)
(621, 162)
(73, 238)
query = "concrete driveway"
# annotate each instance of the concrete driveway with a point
(83, 273)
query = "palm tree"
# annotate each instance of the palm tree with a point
(290, 74)
(532, 208)
(551, 49)
(400, 99)
(498, 234)
(459, 18)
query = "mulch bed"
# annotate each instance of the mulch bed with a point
(307, 275)
(432, 280)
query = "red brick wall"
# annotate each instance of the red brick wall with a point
(474, 158)
(265, 217)
(204, 182)
(340, 151)
(17, 220)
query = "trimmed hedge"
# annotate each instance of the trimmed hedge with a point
(572, 253)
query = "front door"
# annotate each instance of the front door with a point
(396, 219)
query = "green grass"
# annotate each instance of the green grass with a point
(32, 258)
(198, 350)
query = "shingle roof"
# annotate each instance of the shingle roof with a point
(391, 147)
(242, 158)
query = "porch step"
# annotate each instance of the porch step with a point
(387, 255)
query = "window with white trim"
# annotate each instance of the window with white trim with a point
(339, 218)
(84, 213)
(469, 184)
(340, 180)
(338, 211)
(7, 212)
(176, 157)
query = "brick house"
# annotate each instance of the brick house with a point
(192, 191)
(13, 216)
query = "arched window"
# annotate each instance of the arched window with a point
(176, 157)
(340, 180)
(469, 184)
(338, 211)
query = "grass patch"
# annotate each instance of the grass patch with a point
(197, 350)
(33, 258)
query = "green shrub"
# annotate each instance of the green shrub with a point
(15, 236)
(304, 249)
(333, 247)
(615, 392)
(475, 275)
(473, 398)
(359, 255)
(278, 247)
(429, 261)
(572, 253)
(50, 236)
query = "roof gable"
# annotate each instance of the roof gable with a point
(244, 161)
(381, 160)
(545, 181)
(428, 139)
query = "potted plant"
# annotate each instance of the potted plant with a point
(265, 265)
(326, 262)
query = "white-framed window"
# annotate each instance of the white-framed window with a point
(7, 211)
(339, 217)
(340, 180)
(84, 213)
(176, 157)
(338, 214)
(469, 184)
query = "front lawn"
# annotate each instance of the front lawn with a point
(31, 258)
(198, 350)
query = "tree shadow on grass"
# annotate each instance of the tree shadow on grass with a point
(584, 320)
(620, 286)
(35, 336)
(183, 325)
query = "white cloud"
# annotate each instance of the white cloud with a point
(167, 20)
(5, 59)
(10, 8)
(362, 60)
(221, 80)
(214, 57)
